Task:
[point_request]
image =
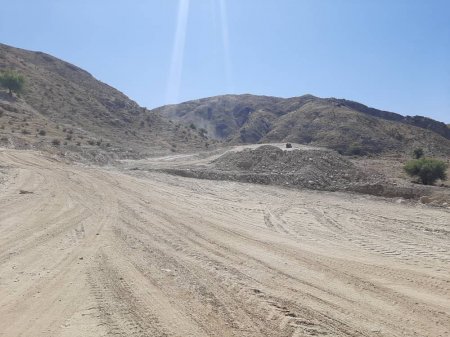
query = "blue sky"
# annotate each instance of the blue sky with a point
(389, 54)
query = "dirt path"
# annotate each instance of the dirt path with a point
(94, 252)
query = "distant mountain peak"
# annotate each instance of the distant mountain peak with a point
(341, 124)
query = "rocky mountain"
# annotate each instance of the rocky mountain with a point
(346, 126)
(66, 110)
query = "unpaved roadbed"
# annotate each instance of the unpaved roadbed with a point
(95, 252)
(298, 167)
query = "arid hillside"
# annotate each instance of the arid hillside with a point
(66, 110)
(346, 126)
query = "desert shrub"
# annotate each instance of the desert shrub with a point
(427, 170)
(12, 81)
(355, 150)
(56, 142)
(418, 153)
(192, 126)
(25, 132)
(42, 132)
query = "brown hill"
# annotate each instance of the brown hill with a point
(66, 110)
(343, 125)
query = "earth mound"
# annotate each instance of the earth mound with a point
(299, 167)
(320, 168)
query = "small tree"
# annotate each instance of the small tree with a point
(418, 153)
(427, 170)
(12, 81)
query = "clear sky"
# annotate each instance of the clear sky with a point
(389, 54)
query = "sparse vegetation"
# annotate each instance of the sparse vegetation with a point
(12, 81)
(355, 150)
(42, 132)
(427, 170)
(56, 142)
(418, 153)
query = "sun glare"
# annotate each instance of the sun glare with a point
(226, 44)
(176, 66)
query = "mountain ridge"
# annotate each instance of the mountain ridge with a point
(304, 119)
(65, 109)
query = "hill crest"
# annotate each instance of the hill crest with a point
(346, 126)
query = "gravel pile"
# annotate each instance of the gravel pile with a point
(316, 169)
(320, 169)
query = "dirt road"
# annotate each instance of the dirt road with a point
(96, 252)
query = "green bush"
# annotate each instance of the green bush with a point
(418, 153)
(12, 81)
(427, 170)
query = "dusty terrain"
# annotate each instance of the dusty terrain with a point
(301, 166)
(88, 251)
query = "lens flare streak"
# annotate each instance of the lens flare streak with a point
(226, 44)
(176, 67)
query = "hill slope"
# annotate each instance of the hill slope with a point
(343, 125)
(63, 103)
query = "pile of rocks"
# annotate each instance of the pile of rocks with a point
(320, 169)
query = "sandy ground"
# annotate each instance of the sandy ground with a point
(203, 159)
(96, 252)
